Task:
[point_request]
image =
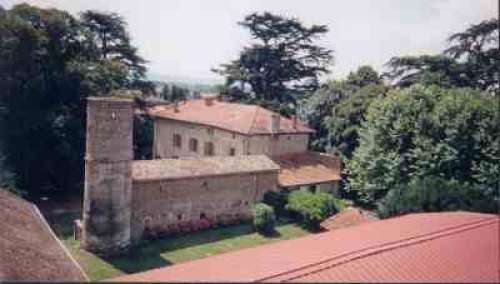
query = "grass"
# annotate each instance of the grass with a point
(172, 250)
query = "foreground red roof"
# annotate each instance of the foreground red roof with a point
(432, 247)
(241, 118)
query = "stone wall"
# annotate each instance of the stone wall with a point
(108, 181)
(223, 141)
(222, 198)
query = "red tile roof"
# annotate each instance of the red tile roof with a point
(241, 118)
(348, 217)
(432, 247)
(167, 169)
(29, 251)
(307, 168)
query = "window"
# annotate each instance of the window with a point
(209, 149)
(179, 217)
(232, 152)
(177, 140)
(203, 216)
(210, 131)
(234, 135)
(193, 145)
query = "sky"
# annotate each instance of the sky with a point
(187, 38)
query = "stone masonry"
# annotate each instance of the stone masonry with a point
(108, 180)
(127, 200)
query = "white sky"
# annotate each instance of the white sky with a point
(187, 38)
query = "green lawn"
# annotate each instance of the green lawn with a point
(167, 251)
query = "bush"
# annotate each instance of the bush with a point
(312, 208)
(264, 218)
(434, 194)
(277, 200)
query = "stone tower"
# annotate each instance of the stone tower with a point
(108, 180)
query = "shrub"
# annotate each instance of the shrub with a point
(277, 200)
(311, 208)
(264, 218)
(434, 194)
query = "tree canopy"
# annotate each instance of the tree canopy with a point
(423, 132)
(471, 60)
(50, 62)
(280, 66)
(337, 109)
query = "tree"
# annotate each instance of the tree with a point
(49, 65)
(174, 93)
(312, 208)
(423, 132)
(471, 60)
(364, 76)
(264, 219)
(435, 194)
(107, 39)
(280, 66)
(337, 109)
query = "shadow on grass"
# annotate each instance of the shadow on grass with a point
(147, 255)
(136, 261)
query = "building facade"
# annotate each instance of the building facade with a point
(126, 200)
(205, 173)
(207, 127)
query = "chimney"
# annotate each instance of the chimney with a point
(275, 122)
(209, 99)
(294, 121)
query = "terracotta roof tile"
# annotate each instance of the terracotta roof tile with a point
(241, 118)
(437, 247)
(307, 168)
(347, 218)
(28, 249)
(196, 167)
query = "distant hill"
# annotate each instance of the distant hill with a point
(192, 84)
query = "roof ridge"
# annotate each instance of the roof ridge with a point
(364, 252)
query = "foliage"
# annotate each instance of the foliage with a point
(277, 200)
(50, 62)
(337, 109)
(428, 132)
(471, 60)
(280, 66)
(174, 93)
(311, 208)
(434, 194)
(264, 219)
(143, 137)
